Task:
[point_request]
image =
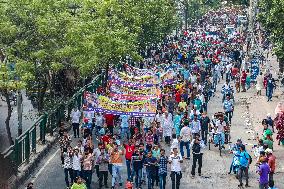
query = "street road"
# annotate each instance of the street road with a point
(29, 115)
(50, 174)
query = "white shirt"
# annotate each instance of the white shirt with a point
(175, 162)
(75, 115)
(174, 144)
(96, 153)
(228, 68)
(76, 165)
(159, 118)
(99, 120)
(195, 126)
(220, 126)
(185, 134)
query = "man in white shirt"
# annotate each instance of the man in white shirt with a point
(75, 116)
(76, 162)
(175, 160)
(185, 136)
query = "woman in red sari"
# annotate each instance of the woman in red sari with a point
(279, 124)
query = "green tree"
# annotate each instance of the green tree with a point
(9, 83)
(271, 17)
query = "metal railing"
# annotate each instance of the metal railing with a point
(25, 144)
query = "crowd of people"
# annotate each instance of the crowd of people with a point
(154, 148)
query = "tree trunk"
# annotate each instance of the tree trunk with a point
(20, 112)
(7, 121)
(41, 95)
(281, 65)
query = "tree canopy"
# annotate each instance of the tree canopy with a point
(56, 44)
(271, 17)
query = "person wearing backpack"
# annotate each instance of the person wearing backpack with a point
(197, 145)
(245, 160)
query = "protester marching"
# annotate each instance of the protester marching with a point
(152, 118)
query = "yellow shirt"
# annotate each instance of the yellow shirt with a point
(182, 105)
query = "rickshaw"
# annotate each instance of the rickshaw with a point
(213, 132)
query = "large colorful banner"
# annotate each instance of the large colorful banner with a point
(104, 104)
(137, 71)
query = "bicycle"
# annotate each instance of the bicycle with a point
(211, 140)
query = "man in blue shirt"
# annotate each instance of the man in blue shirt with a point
(125, 131)
(228, 107)
(244, 159)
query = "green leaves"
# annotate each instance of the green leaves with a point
(47, 37)
(272, 18)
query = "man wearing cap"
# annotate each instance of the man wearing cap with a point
(271, 163)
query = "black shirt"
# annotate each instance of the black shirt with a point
(137, 161)
(204, 123)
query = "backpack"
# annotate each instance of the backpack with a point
(196, 148)
(250, 158)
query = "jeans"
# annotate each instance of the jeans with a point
(150, 178)
(217, 138)
(129, 175)
(271, 176)
(229, 115)
(263, 186)
(269, 94)
(70, 171)
(103, 175)
(204, 107)
(116, 176)
(175, 177)
(87, 176)
(187, 146)
(204, 133)
(163, 179)
(76, 129)
(228, 75)
(97, 171)
(76, 173)
(167, 139)
(196, 158)
(138, 177)
(241, 171)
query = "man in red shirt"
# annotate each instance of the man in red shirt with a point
(109, 121)
(106, 139)
(243, 81)
(178, 96)
(235, 71)
(271, 163)
(129, 149)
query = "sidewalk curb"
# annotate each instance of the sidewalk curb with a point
(15, 181)
(27, 169)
